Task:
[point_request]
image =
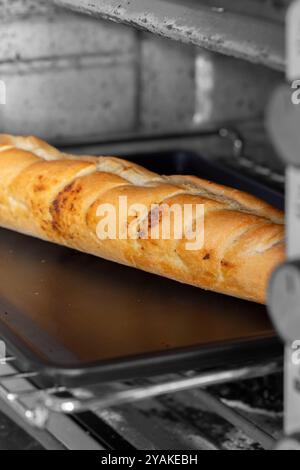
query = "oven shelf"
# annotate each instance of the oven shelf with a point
(36, 406)
(254, 33)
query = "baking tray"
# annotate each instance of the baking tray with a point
(78, 319)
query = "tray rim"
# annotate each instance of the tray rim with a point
(233, 352)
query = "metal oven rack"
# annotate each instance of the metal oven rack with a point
(36, 406)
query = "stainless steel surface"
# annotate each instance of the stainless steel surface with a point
(200, 23)
(284, 301)
(99, 399)
(289, 443)
(283, 118)
(293, 213)
(292, 315)
(266, 440)
(57, 432)
(189, 420)
(211, 144)
(221, 144)
(284, 295)
(70, 436)
(290, 280)
(13, 437)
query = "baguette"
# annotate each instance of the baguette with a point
(54, 196)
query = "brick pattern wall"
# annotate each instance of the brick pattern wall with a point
(71, 78)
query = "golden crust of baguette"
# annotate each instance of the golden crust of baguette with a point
(54, 196)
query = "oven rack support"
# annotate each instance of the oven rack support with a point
(283, 120)
(35, 405)
(246, 162)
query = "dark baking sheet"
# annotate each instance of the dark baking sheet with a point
(81, 319)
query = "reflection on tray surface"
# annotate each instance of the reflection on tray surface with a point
(94, 309)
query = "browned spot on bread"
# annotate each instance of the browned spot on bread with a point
(64, 197)
(65, 201)
(55, 207)
(206, 257)
(72, 188)
(226, 264)
(39, 187)
(55, 226)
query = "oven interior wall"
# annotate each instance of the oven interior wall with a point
(69, 78)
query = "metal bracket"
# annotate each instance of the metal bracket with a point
(283, 122)
(223, 30)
